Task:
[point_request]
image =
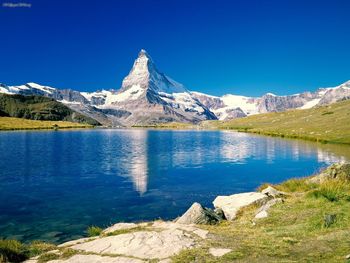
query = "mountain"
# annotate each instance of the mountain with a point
(148, 96)
(232, 106)
(39, 108)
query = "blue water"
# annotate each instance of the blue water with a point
(53, 185)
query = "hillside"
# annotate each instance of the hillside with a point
(329, 123)
(39, 108)
(9, 123)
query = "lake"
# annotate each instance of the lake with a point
(53, 185)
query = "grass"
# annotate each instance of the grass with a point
(312, 225)
(15, 251)
(93, 231)
(9, 123)
(328, 124)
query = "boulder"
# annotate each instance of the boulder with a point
(272, 192)
(233, 203)
(197, 214)
(262, 212)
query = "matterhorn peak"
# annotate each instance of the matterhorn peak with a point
(145, 75)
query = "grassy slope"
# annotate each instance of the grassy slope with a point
(294, 231)
(325, 124)
(9, 123)
(39, 108)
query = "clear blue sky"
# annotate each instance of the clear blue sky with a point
(241, 47)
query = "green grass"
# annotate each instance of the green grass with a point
(15, 251)
(328, 124)
(312, 225)
(9, 123)
(93, 231)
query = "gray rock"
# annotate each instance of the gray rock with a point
(335, 171)
(272, 192)
(143, 244)
(197, 214)
(220, 213)
(233, 203)
(262, 212)
(329, 220)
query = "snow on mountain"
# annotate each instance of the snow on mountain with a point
(232, 106)
(148, 96)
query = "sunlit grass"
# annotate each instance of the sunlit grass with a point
(9, 123)
(323, 124)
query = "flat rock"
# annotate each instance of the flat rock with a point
(233, 203)
(96, 259)
(190, 228)
(197, 214)
(219, 252)
(143, 244)
(119, 226)
(76, 241)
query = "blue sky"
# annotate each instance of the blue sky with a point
(240, 47)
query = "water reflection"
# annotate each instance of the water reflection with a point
(192, 149)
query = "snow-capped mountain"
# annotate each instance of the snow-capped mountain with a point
(233, 106)
(148, 96)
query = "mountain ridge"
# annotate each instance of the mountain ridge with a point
(148, 96)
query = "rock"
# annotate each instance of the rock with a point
(76, 241)
(262, 211)
(119, 226)
(197, 214)
(261, 214)
(233, 203)
(96, 259)
(335, 171)
(219, 252)
(220, 213)
(329, 220)
(272, 192)
(167, 225)
(143, 244)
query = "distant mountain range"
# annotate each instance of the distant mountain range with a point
(148, 96)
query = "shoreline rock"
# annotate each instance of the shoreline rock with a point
(230, 205)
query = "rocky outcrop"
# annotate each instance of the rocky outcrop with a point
(197, 214)
(233, 203)
(335, 171)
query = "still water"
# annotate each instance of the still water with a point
(53, 185)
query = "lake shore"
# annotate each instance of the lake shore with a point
(12, 124)
(325, 124)
(298, 220)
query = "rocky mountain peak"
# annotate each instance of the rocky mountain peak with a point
(144, 75)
